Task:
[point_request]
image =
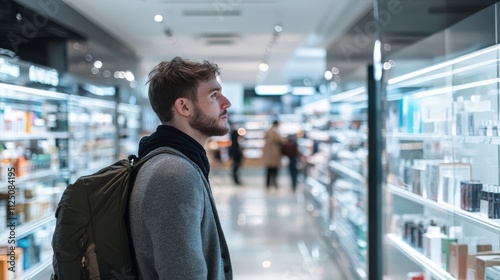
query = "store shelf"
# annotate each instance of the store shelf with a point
(346, 171)
(350, 253)
(37, 175)
(319, 135)
(419, 136)
(27, 228)
(33, 271)
(34, 136)
(492, 140)
(437, 272)
(473, 218)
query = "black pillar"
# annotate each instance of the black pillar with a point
(375, 144)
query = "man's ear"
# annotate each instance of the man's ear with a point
(183, 106)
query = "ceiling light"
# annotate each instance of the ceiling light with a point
(263, 67)
(98, 64)
(278, 28)
(328, 75)
(119, 74)
(303, 90)
(335, 70)
(272, 89)
(129, 76)
(158, 18)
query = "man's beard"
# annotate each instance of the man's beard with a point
(207, 125)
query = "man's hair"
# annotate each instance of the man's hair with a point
(174, 79)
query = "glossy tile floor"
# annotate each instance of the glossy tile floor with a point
(270, 235)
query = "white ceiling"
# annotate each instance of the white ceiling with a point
(232, 33)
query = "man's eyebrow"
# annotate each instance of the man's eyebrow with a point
(218, 88)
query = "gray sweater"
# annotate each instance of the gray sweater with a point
(174, 222)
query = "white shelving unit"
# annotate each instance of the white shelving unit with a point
(335, 180)
(56, 131)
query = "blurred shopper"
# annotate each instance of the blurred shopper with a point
(272, 154)
(291, 150)
(236, 154)
(174, 223)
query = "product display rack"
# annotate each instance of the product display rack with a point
(335, 184)
(128, 120)
(52, 138)
(32, 124)
(93, 134)
(442, 171)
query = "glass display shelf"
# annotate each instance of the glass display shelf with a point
(442, 152)
(471, 217)
(437, 272)
(28, 228)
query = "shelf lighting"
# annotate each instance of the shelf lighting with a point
(6, 89)
(447, 73)
(347, 94)
(442, 65)
(101, 91)
(447, 89)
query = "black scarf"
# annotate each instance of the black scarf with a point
(168, 136)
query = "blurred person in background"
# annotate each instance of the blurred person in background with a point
(291, 150)
(235, 153)
(272, 154)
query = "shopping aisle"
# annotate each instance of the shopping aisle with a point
(270, 235)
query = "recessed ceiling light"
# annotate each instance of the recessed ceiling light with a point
(278, 28)
(97, 64)
(129, 76)
(158, 18)
(328, 75)
(263, 67)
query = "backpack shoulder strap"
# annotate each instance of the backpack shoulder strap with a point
(137, 162)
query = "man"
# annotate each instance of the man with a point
(174, 223)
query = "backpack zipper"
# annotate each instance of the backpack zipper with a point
(84, 271)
